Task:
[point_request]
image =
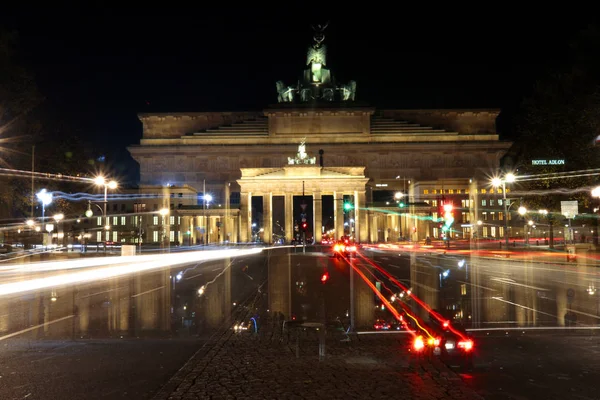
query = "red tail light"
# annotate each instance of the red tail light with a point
(418, 344)
(446, 324)
(466, 345)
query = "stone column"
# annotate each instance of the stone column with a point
(360, 217)
(338, 214)
(289, 217)
(317, 216)
(245, 216)
(185, 227)
(268, 218)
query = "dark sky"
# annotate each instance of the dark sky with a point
(98, 69)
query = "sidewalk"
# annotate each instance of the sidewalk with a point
(243, 366)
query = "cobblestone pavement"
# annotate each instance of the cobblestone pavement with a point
(243, 366)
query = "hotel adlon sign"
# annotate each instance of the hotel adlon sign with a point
(547, 162)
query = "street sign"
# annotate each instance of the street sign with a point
(569, 208)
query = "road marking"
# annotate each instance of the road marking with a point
(97, 293)
(472, 284)
(193, 276)
(395, 266)
(149, 291)
(34, 327)
(217, 269)
(511, 282)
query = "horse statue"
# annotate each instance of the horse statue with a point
(285, 94)
(349, 91)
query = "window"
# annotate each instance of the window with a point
(500, 216)
(123, 221)
(463, 289)
(139, 207)
(155, 207)
(172, 236)
(99, 221)
(491, 202)
(466, 217)
(178, 220)
(483, 202)
(434, 191)
(98, 236)
(493, 215)
(115, 236)
(107, 236)
(464, 203)
(171, 220)
(172, 206)
(426, 191)
(499, 202)
(155, 220)
(123, 207)
(450, 191)
(485, 216)
(155, 236)
(180, 195)
(115, 207)
(483, 191)
(434, 203)
(115, 221)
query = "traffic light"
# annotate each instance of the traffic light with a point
(348, 206)
(304, 226)
(324, 277)
(401, 204)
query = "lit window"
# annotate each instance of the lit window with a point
(463, 289)
(155, 220)
(483, 202)
(99, 221)
(123, 221)
(500, 216)
(115, 236)
(172, 236)
(483, 191)
(115, 221)
(426, 191)
(450, 191)
(499, 202)
(491, 202)
(98, 236)
(172, 220)
(155, 236)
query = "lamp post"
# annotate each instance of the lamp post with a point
(398, 197)
(207, 199)
(58, 218)
(497, 182)
(100, 181)
(522, 211)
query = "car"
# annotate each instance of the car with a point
(345, 248)
(381, 325)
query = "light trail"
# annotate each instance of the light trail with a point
(126, 265)
(43, 175)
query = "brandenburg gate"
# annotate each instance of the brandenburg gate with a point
(303, 177)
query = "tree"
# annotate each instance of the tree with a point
(560, 120)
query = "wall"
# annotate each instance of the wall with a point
(462, 121)
(174, 125)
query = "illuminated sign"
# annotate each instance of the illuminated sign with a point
(547, 162)
(381, 184)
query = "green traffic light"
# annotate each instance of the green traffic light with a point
(347, 206)
(401, 205)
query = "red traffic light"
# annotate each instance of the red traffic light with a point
(325, 277)
(304, 225)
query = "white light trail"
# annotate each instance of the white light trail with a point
(126, 265)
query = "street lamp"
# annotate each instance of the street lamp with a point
(497, 182)
(45, 198)
(101, 181)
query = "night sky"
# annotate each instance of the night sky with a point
(98, 69)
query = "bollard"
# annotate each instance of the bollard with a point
(321, 345)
